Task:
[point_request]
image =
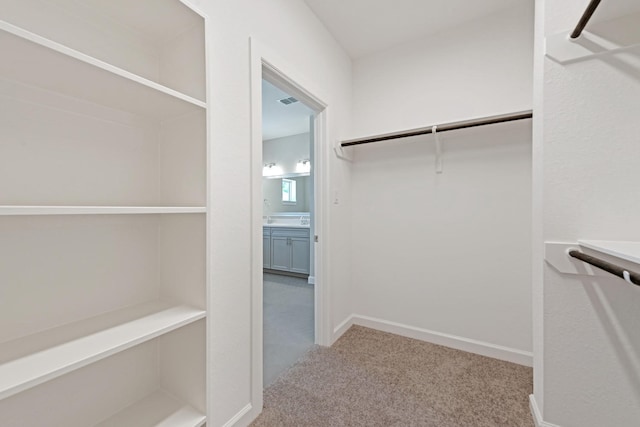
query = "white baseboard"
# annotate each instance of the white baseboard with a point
(343, 327)
(537, 416)
(460, 343)
(240, 417)
(311, 280)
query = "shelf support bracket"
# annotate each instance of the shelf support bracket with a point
(339, 152)
(434, 130)
(582, 258)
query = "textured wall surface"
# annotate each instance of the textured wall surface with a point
(479, 69)
(289, 28)
(449, 253)
(591, 346)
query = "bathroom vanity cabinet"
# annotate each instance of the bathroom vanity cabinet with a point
(286, 249)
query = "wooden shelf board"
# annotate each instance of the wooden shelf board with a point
(97, 210)
(40, 62)
(157, 410)
(628, 251)
(35, 359)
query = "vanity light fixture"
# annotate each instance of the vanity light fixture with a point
(270, 169)
(303, 166)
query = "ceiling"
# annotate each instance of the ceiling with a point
(363, 27)
(367, 26)
(280, 120)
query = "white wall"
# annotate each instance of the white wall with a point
(447, 253)
(289, 28)
(591, 344)
(481, 69)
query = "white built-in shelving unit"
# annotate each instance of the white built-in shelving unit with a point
(103, 213)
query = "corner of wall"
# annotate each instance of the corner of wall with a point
(537, 416)
(537, 230)
(243, 418)
(343, 327)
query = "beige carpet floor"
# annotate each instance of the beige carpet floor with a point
(371, 378)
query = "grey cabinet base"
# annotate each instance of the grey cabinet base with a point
(287, 249)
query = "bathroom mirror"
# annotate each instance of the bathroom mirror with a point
(272, 190)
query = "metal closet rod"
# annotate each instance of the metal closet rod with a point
(586, 16)
(629, 276)
(522, 115)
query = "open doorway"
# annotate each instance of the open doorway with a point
(268, 65)
(288, 213)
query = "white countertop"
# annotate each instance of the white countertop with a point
(282, 225)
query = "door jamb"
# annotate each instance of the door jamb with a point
(266, 63)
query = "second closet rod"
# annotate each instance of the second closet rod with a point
(522, 115)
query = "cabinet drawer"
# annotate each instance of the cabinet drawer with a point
(290, 232)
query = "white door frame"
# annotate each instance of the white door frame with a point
(266, 63)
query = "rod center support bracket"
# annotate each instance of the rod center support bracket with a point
(436, 136)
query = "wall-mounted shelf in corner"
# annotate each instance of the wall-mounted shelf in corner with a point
(625, 254)
(157, 409)
(35, 359)
(602, 38)
(628, 251)
(98, 210)
(83, 77)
